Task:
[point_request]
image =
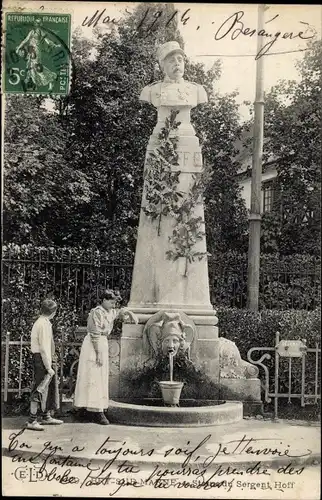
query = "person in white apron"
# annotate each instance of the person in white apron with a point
(91, 391)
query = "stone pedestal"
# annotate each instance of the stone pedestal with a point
(158, 282)
(161, 284)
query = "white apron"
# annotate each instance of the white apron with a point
(91, 389)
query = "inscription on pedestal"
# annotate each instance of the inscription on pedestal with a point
(189, 158)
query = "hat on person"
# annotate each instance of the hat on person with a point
(48, 306)
(167, 49)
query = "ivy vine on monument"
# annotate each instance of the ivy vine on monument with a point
(189, 229)
(163, 197)
(161, 182)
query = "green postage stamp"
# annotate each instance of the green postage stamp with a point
(37, 53)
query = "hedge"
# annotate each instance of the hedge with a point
(249, 329)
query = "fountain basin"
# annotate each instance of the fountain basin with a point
(191, 413)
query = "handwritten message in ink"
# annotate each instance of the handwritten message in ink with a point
(116, 465)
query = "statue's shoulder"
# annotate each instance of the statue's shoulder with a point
(201, 91)
(149, 90)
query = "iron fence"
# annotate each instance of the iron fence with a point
(297, 370)
(292, 372)
(76, 281)
(78, 278)
(17, 364)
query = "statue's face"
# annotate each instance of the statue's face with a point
(173, 65)
(171, 345)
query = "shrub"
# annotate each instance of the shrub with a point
(249, 329)
(141, 381)
(286, 282)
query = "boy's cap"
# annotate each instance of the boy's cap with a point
(48, 306)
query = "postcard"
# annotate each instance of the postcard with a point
(161, 256)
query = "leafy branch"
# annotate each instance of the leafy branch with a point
(160, 181)
(189, 229)
(163, 197)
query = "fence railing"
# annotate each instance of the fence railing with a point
(18, 370)
(17, 364)
(294, 367)
(301, 377)
(61, 275)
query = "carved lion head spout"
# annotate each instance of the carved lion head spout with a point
(167, 333)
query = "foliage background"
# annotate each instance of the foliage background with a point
(94, 145)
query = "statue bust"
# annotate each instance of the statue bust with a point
(173, 90)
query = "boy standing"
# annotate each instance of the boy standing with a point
(44, 394)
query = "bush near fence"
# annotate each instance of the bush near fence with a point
(250, 329)
(286, 282)
(72, 276)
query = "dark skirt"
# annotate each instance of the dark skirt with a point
(48, 397)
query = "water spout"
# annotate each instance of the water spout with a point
(171, 366)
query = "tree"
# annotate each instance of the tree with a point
(218, 127)
(106, 111)
(39, 187)
(100, 133)
(293, 130)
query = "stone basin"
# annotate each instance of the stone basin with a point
(191, 413)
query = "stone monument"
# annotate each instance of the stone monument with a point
(162, 285)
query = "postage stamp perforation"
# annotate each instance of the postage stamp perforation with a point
(3, 47)
(37, 53)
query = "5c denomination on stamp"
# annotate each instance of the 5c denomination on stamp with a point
(37, 53)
